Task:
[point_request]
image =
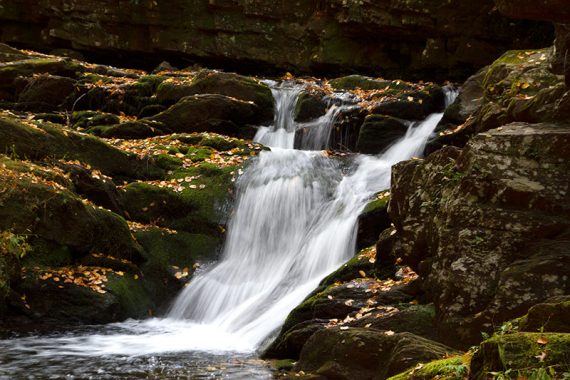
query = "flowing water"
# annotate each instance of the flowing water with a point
(294, 223)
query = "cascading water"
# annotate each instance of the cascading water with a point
(294, 223)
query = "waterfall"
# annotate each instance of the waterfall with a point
(294, 223)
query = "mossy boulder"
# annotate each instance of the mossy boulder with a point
(221, 83)
(86, 119)
(40, 140)
(411, 104)
(34, 203)
(454, 368)
(47, 92)
(211, 113)
(552, 316)
(83, 294)
(138, 129)
(350, 304)
(309, 107)
(349, 353)
(378, 132)
(522, 354)
(10, 71)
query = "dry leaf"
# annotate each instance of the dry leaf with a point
(542, 340)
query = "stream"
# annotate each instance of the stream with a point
(294, 222)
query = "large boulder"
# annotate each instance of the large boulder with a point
(214, 82)
(497, 211)
(361, 353)
(526, 354)
(417, 37)
(211, 113)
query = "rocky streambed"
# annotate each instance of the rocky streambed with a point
(117, 185)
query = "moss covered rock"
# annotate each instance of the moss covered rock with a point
(365, 353)
(523, 354)
(47, 92)
(211, 113)
(228, 84)
(39, 140)
(552, 316)
(454, 368)
(32, 202)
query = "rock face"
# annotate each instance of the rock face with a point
(398, 38)
(496, 211)
(331, 353)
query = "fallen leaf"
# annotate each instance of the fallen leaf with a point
(542, 340)
(541, 356)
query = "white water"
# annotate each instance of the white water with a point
(294, 223)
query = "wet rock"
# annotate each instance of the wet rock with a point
(212, 113)
(378, 132)
(353, 82)
(309, 107)
(355, 303)
(365, 353)
(498, 210)
(372, 221)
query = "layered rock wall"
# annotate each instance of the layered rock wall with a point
(407, 38)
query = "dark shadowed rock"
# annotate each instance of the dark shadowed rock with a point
(335, 36)
(212, 113)
(360, 353)
(378, 132)
(499, 211)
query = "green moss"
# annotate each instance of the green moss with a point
(148, 84)
(380, 202)
(520, 354)
(46, 253)
(283, 365)
(86, 119)
(46, 140)
(455, 368)
(167, 162)
(350, 270)
(197, 154)
(131, 295)
(95, 78)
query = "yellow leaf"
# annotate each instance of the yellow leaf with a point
(362, 273)
(542, 340)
